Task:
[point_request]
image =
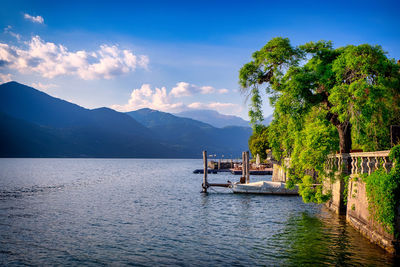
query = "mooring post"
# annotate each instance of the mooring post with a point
(205, 183)
(247, 168)
(244, 165)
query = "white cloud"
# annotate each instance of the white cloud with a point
(186, 89)
(44, 87)
(159, 99)
(51, 60)
(5, 78)
(145, 97)
(35, 19)
(13, 34)
(224, 108)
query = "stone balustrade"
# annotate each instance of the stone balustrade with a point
(359, 162)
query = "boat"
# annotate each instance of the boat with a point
(263, 187)
(253, 172)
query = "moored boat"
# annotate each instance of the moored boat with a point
(264, 187)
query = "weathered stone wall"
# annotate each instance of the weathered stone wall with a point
(356, 210)
(358, 216)
(279, 174)
(336, 188)
(340, 164)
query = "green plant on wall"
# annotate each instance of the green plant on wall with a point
(383, 192)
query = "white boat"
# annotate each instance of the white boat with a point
(264, 187)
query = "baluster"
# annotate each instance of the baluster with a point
(356, 164)
(369, 165)
(363, 167)
(385, 164)
(352, 166)
(376, 163)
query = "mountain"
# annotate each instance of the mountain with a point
(34, 124)
(213, 118)
(193, 136)
(51, 127)
(217, 119)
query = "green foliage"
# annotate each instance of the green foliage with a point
(383, 192)
(255, 113)
(258, 142)
(319, 95)
(346, 180)
(311, 192)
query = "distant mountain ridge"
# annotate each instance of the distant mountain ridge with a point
(217, 119)
(192, 134)
(101, 132)
(34, 124)
(214, 118)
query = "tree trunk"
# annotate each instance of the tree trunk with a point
(344, 130)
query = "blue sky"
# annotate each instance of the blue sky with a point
(170, 55)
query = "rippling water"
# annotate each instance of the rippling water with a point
(151, 212)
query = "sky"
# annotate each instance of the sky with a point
(170, 55)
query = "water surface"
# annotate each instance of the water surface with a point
(151, 212)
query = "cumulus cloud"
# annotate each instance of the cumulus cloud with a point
(5, 78)
(145, 97)
(223, 91)
(159, 99)
(51, 60)
(13, 34)
(35, 19)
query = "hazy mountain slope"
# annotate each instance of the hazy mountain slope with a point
(34, 124)
(90, 133)
(214, 118)
(193, 135)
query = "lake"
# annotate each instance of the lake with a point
(150, 212)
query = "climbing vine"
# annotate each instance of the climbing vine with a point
(383, 192)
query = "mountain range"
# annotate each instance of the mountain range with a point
(214, 118)
(217, 119)
(34, 124)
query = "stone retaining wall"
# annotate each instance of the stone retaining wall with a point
(356, 211)
(358, 216)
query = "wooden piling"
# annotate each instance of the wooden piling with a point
(247, 167)
(205, 183)
(243, 164)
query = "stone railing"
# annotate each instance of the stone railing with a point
(367, 162)
(359, 162)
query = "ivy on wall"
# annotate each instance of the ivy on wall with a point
(383, 192)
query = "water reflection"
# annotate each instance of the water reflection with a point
(327, 238)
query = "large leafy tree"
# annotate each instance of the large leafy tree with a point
(325, 99)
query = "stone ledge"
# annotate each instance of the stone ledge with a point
(388, 244)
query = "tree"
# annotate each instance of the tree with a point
(325, 99)
(258, 142)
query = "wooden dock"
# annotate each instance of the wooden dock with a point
(244, 185)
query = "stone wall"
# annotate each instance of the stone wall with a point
(278, 174)
(358, 216)
(340, 164)
(356, 211)
(336, 188)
